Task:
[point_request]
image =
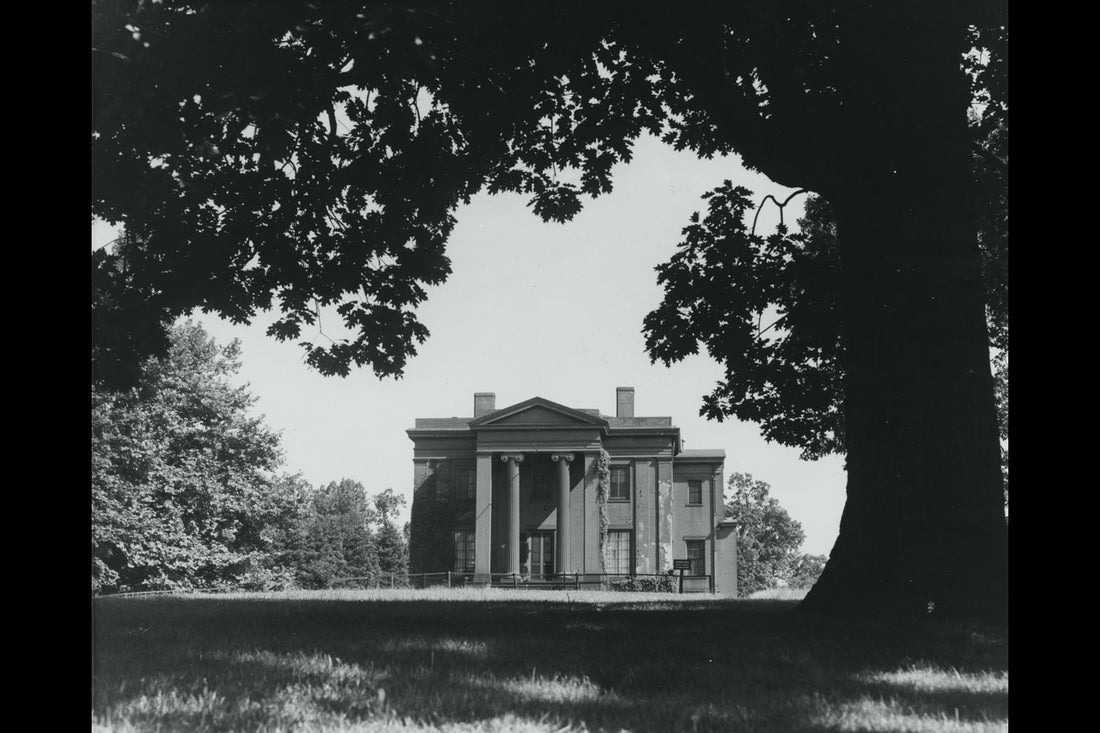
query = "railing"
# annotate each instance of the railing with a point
(641, 582)
(637, 582)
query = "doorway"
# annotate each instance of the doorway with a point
(536, 554)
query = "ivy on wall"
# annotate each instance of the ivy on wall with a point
(603, 489)
(432, 524)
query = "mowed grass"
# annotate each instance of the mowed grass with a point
(531, 661)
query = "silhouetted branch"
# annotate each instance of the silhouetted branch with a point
(780, 205)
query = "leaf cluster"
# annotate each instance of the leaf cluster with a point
(721, 285)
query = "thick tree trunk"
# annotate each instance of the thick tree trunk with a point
(924, 522)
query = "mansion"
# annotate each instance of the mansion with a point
(537, 489)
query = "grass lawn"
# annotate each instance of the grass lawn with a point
(531, 661)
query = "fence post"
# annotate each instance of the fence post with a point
(681, 581)
(448, 578)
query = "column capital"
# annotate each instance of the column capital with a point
(517, 457)
(567, 457)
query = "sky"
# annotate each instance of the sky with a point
(535, 309)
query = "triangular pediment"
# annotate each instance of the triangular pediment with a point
(538, 411)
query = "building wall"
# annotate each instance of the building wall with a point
(656, 512)
(436, 510)
(725, 570)
(696, 521)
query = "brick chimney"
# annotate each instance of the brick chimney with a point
(624, 402)
(484, 403)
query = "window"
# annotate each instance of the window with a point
(696, 553)
(695, 492)
(467, 487)
(620, 483)
(464, 551)
(618, 552)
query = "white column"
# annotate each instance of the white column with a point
(513, 462)
(563, 460)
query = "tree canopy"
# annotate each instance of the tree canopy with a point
(307, 156)
(184, 490)
(768, 539)
(310, 155)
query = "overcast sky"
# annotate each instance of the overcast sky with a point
(536, 309)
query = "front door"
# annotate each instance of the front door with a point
(536, 554)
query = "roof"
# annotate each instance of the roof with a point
(537, 406)
(443, 423)
(541, 412)
(702, 453)
(638, 422)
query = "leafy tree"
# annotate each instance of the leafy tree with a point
(338, 541)
(807, 569)
(768, 539)
(184, 491)
(393, 546)
(311, 155)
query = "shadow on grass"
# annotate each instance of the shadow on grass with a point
(216, 664)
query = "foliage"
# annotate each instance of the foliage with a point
(603, 491)
(316, 159)
(719, 285)
(393, 549)
(337, 538)
(184, 492)
(806, 570)
(432, 521)
(767, 307)
(646, 584)
(768, 539)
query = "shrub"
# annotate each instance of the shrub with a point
(658, 584)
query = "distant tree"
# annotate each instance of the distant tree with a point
(807, 569)
(768, 539)
(184, 491)
(393, 546)
(279, 569)
(337, 539)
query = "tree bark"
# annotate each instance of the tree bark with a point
(923, 527)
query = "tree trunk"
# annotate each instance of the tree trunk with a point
(924, 525)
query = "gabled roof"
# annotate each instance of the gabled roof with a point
(538, 411)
